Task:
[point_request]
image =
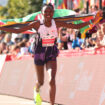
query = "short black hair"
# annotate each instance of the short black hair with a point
(47, 5)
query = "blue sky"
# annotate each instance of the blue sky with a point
(3, 2)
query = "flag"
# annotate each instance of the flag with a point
(70, 4)
(91, 2)
(75, 4)
(82, 30)
(60, 4)
(97, 3)
(103, 2)
(36, 16)
(88, 27)
(81, 3)
(78, 4)
(64, 15)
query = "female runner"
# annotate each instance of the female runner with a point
(45, 47)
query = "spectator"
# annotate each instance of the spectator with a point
(7, 39)
(23, 48)
(103, 13)
(86, 43)
(71, 33)
(76, 41)
(103, 28)
(3, 47)
(15, 51)
(16, 38)
(6, 50)
(100, 42)
(25, 36)
(93, 9)
(92, 40)
(62, 40)
(31, 44)
(102, 34)
(89, 42)
(2, 34)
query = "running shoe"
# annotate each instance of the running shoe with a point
(37, 97)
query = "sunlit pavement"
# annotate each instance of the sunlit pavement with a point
(10, 100)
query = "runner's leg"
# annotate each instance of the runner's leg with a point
(51, 67)
(40, 76)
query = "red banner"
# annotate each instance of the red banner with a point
(63, 53)
(79, 80)
(70, 53)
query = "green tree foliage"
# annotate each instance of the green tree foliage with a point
(3, 12)
(17, 8)
(20, 8)
(35, 5)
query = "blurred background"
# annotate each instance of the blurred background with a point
(14, 8)
(18, 8)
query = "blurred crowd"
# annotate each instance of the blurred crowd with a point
(16, 44)
(23, 44)
(71, 39)
(94, 38)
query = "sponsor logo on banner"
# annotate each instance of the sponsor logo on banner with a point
(2, 61)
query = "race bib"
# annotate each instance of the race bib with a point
(46, 42)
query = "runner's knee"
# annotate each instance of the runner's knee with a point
(40, 83)
(52, 82)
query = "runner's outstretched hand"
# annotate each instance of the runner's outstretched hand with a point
(98, 16)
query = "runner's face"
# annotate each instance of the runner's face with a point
(48, 13)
